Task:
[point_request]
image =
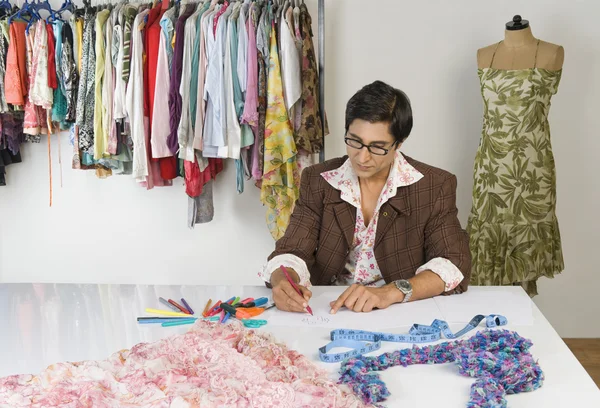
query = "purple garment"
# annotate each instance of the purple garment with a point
(176, 70)
(11, 131)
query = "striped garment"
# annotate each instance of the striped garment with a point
(128, 15)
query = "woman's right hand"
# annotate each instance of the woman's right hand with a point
(284, 295)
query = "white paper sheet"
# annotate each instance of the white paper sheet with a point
(515, 305)
(399, 315)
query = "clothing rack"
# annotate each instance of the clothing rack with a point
(322, 76)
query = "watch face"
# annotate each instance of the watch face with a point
(404, 284)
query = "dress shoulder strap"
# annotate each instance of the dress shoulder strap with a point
(536, 54)
(494, 54)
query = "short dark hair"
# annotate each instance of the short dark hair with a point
(380, 102)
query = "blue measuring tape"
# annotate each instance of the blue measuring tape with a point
(362, 342)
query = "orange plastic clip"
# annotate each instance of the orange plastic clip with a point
(242, 314)
(254, 311)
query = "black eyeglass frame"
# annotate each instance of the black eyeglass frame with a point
(349, 140)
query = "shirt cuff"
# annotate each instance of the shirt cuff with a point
(446, 270)
(289, 261)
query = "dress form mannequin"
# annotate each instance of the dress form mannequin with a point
(513, 230)
(518, 49)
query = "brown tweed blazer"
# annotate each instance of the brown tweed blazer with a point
(418, 224)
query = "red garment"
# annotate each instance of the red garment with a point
(151, 42)
(52, 81)
(167, 165)
(158, 176)
(196, 179)
(219, 13)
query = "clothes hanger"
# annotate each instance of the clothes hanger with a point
(275, 9)
(35, 8)
(25, 11)
(57, 15)
(43, 5)
(286, 6)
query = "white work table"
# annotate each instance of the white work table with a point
(47, 323)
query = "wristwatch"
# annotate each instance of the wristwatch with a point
(405, 287)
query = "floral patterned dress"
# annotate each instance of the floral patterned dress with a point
(514, 233)
(279, 189)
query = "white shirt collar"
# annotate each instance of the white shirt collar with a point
(345, 180)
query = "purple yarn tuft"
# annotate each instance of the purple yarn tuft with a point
(499, 360)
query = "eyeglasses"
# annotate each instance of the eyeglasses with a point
(376, 150)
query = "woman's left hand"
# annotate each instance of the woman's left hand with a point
(364, 299)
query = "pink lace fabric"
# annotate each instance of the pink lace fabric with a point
(213, 365)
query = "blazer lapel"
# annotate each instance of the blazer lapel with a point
(389, 211)
(345, 215)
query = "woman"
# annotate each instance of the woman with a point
(383, 223)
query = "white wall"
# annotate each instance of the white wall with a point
(112, 231)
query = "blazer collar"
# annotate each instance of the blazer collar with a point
(393, 200)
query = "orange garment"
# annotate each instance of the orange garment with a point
(16, 79)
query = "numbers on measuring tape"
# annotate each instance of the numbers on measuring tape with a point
(418, 333)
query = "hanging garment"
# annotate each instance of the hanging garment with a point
(6, 158)
(242, 74)
(59, 106)
(199, 200)
(159, 37)
(292, 80)
(85, 93)
(16, 79)
(51, 46)
(309, 135)
(197, 81)
(40, 93)
(232, 125)
(279, 189)
(4, 38)
(185, 132)
(200, 205)
(513, 229)
(100, 132)
(262, 42)
(108, 128)
(201, 209)
(199, 175)
(78, 48)
(199, 123)
(167, 24)
(290, 65)
(134, 101)
(218, 15)
(215, 133)
(151, 44)
(160, 109)
(69, 76)
(12, 130)
(176, 72)
(152, 47)
(34, 121)
(159, 177)
(236, 102)
(120, 76)
(298, 39)
(242, 55)
(129, 14)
